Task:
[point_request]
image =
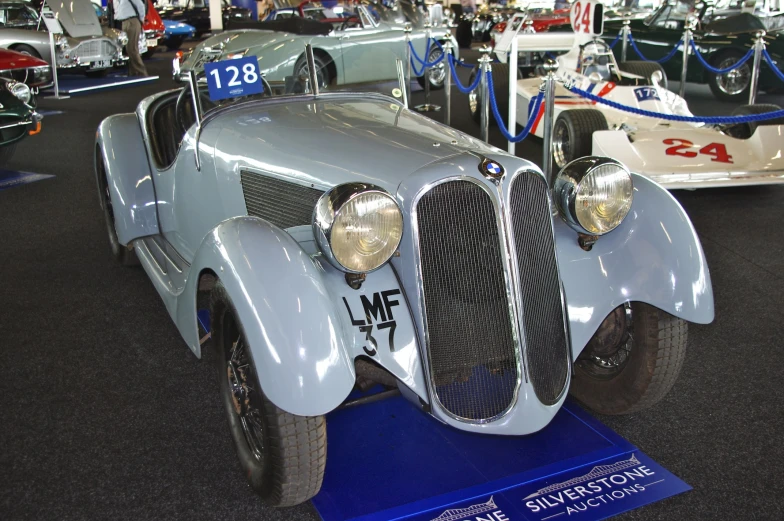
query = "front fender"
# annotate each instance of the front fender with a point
(654, 256)
(119, 139)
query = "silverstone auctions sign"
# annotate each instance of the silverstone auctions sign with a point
(585, 493)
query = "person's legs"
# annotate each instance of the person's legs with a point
(133, 28)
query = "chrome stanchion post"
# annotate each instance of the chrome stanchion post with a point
(401, 80)
(625, 32)
(484, 89)
(447, 82)
(312, 73)
(407, 30)
(512, 61)
(549, 111)
(685, 65)
(759, 46)
(427, 106)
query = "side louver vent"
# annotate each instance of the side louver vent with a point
(282, 203)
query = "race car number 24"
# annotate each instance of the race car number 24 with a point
(683, 147)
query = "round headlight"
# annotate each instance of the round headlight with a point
(20, 90)
(122, 38)
(61, 41)
(594, 194)
(357, 226)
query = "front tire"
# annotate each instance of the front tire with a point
(174, 42)
(124, 255)
(632, 361)
(282, 455)
(322, 71)
(573, 134)
(26, 49)
(646, 70)
(734, 85)
(6, 153)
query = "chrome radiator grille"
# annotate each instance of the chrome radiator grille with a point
(282, 203)
(547, 350)
(94, 49)
(472, 355)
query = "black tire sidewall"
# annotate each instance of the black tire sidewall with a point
(255, 471)
(26, 49)
(622, 392)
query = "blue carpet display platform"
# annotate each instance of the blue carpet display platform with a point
(11, 178)
(388, 461)
(71, 84)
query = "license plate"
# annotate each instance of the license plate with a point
(103, 64)
(152, 43)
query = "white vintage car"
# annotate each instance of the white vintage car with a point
(675, 154)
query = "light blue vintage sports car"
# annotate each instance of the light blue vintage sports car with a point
(347, 50)
(344, 240)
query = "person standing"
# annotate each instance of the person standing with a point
(131, 13)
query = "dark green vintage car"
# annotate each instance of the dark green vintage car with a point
(722, 37)
(18, 117)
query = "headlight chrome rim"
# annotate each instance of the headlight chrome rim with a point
(20, 90)
(575, 176)
(328, 212)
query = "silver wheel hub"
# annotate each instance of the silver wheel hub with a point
(561, 147)
(735, 81)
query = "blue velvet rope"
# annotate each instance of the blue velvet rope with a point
(660, 60)
(424, 63)
(460, 86)
(710, 120)
(772, 65)
(715, 70)
(617, 38)
(531, 114)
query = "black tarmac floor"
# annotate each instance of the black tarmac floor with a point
(106, 414)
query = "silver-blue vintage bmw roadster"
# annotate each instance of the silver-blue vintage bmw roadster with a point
(343, 239)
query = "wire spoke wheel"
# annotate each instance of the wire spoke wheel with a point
(735, 81)
(437, 73)
(244, 395)
(605, 359)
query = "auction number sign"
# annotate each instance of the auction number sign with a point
(232, 78)
(587, 17)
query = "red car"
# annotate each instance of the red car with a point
(153, 29)
(35, 72)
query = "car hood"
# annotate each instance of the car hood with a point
(16, 60)
(338, 138)
(77, 17)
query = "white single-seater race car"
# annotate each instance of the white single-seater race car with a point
(674, 154)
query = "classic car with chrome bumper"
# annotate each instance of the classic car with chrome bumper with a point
(18, 118)
(342, 239)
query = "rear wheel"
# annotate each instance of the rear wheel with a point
(435, 74)
(733, 85)
(122, 254)
(746, 130)
(26, 49)
(573, 134)
(632, 361)
(322, 71)
(282, 455)
(6, 153)
(646, 70)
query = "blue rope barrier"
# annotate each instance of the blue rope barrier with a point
(531, 114)
(714, 70)
(660, 60)
(710, 120)
(617, 38)
(424, 62)
(460, 86)
(772, 65)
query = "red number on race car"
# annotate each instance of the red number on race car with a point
(717, 151)
(587, 18)
(678, 149)
(576, 18)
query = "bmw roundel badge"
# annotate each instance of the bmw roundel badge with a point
(491, 169)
